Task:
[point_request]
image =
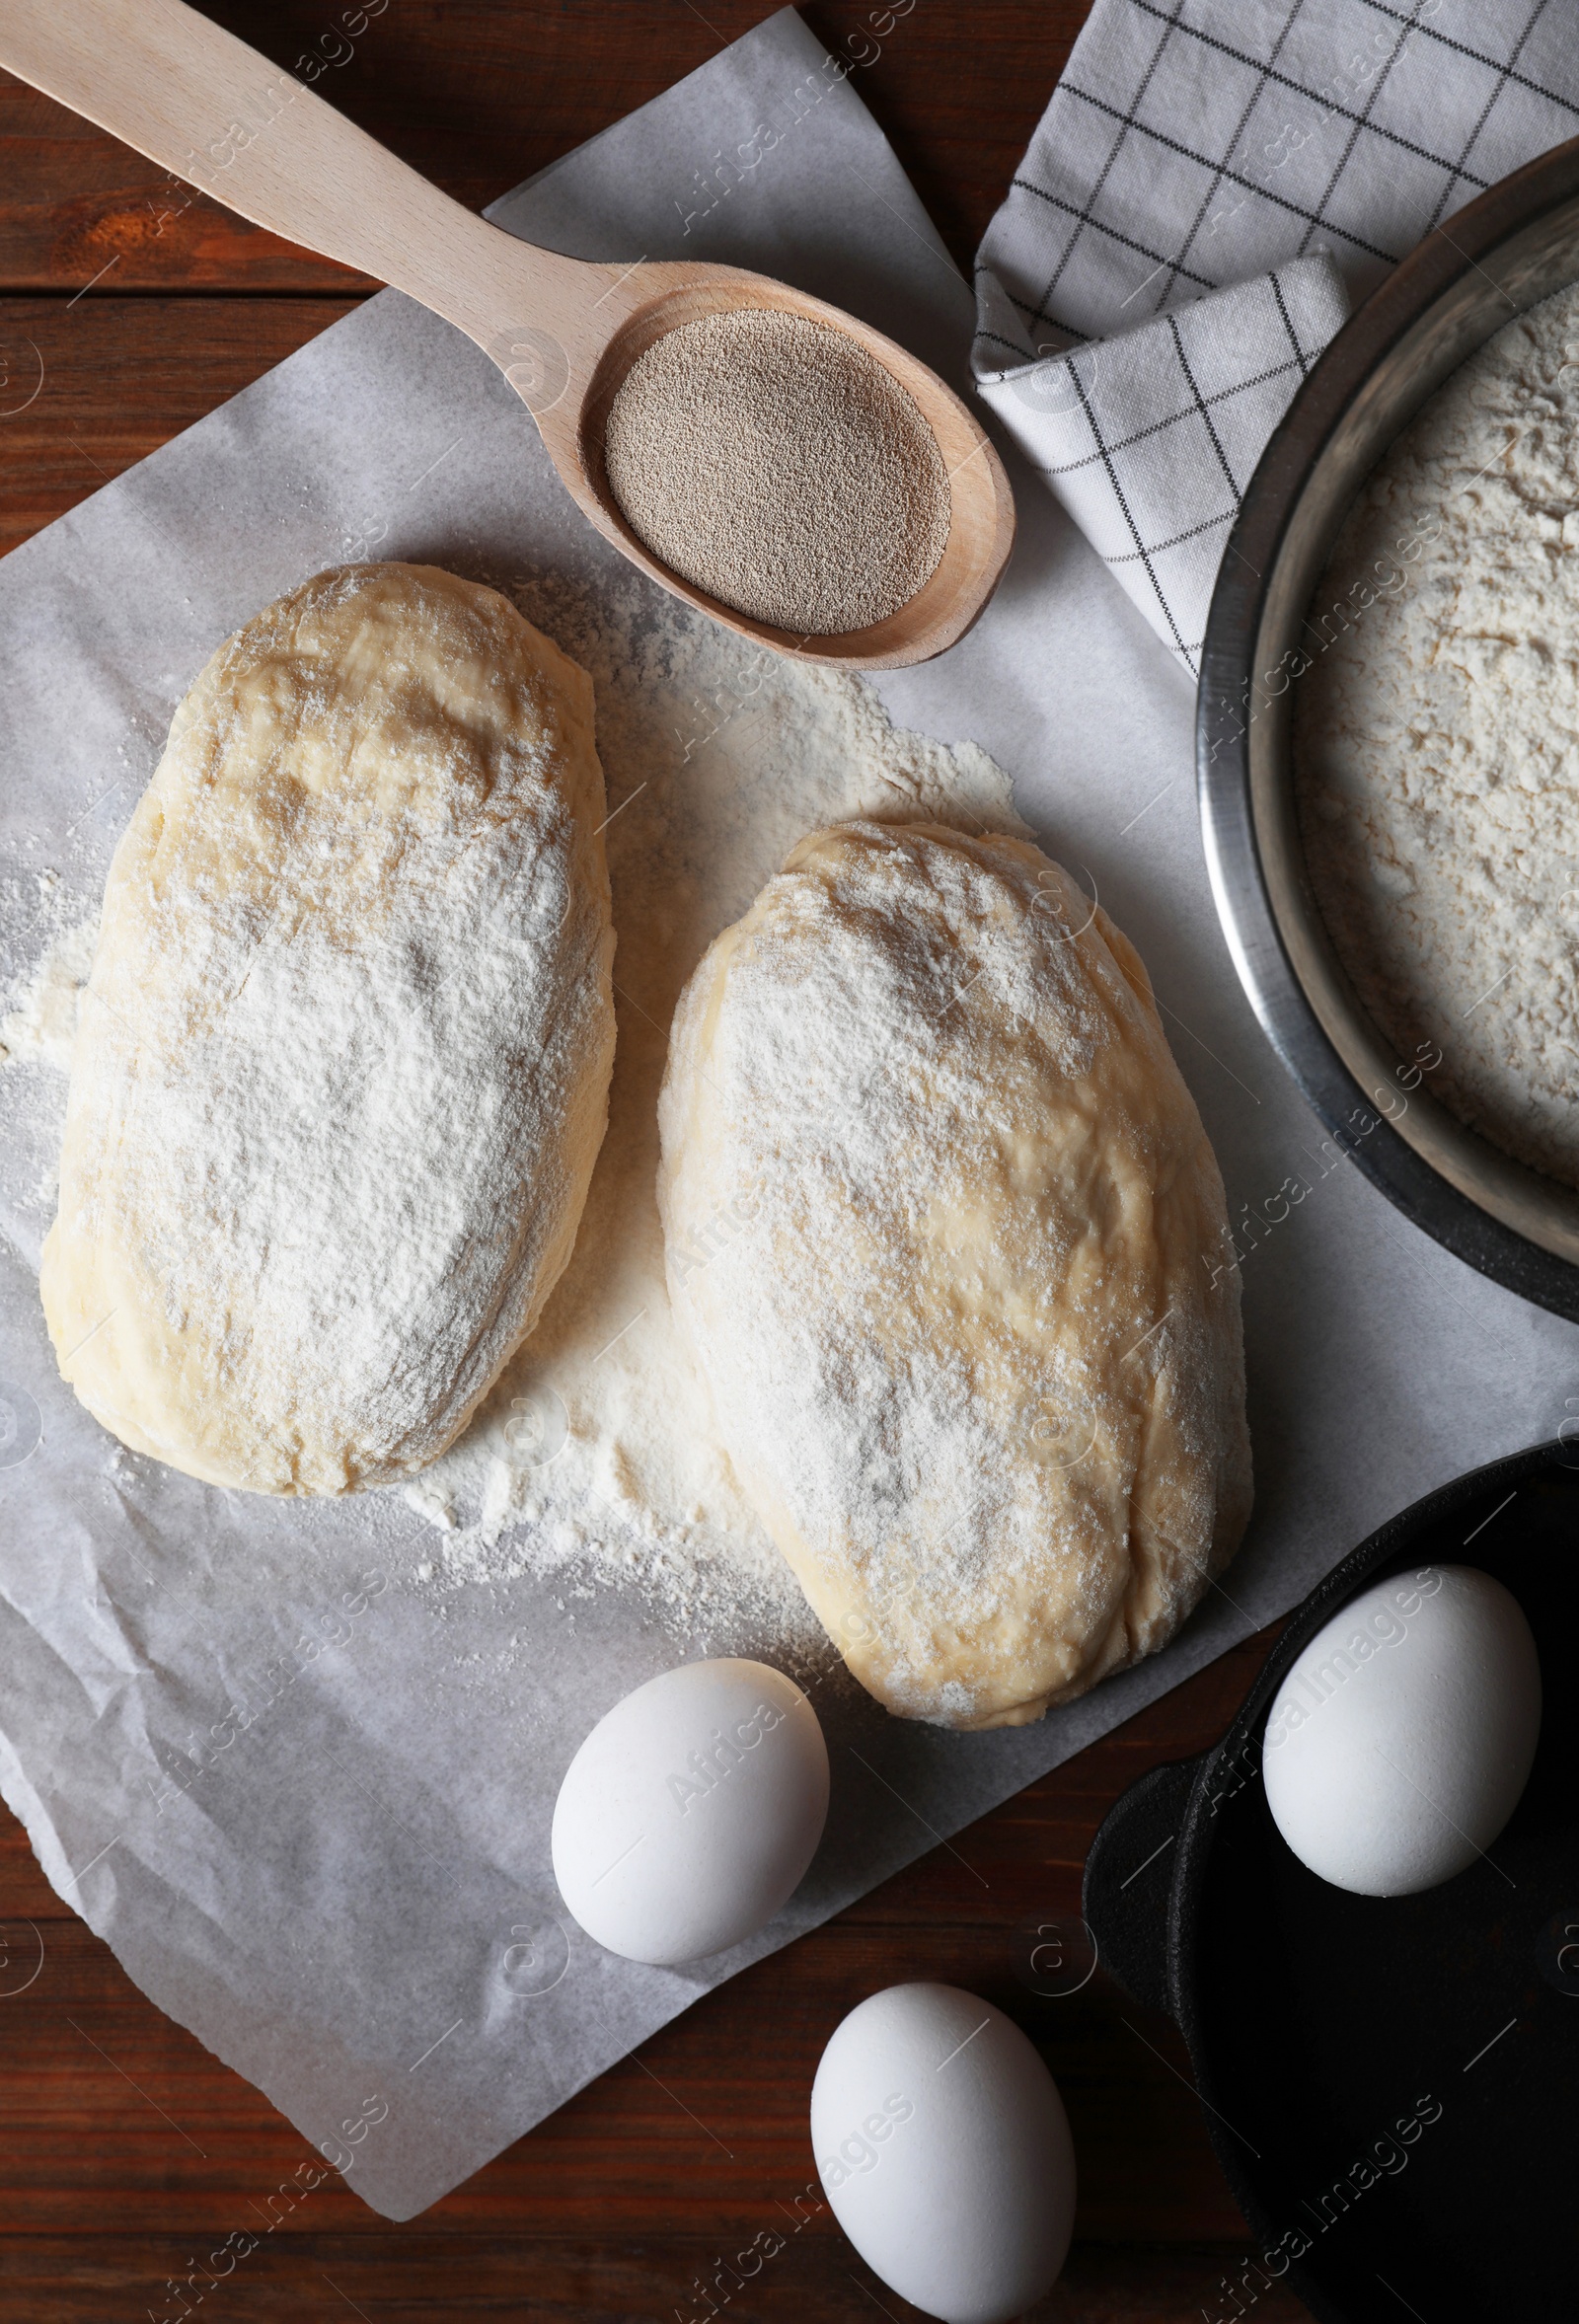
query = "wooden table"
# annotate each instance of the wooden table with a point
(127, 2153)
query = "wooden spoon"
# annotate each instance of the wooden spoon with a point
(563, 332)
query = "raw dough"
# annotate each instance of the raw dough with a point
(944, 1233)
(343, 1064)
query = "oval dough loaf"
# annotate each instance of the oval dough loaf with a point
(944, 1232)
(341, 1068)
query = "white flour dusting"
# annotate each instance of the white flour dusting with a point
(1436, 745)
(42, 1023)
(337, 1086)
(598, 1451)
(935, 1201)
(43, 914)
(596, 1459)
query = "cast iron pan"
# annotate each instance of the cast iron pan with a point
(1391, 2085)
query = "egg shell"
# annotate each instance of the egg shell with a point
(691, 1812)
(944, 2153)
(1400, 1741)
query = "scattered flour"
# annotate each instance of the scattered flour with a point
(960, 1340)
(339, 1081)
(42, 1023)
(1437, 741)
(598, 1451)
(43, 918)
(596, 1456)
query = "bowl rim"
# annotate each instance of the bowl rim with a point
(1243, 744)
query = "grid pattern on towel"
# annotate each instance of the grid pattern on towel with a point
(1210, 185)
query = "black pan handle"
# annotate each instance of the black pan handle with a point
(1129, 1881)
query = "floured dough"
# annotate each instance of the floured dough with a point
(343, 1063)
(944, 1232)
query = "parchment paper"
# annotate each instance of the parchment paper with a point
(308, 1806)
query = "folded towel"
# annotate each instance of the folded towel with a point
(1210, 187)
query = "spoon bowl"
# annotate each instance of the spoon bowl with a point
(564, 332)
(657, 299)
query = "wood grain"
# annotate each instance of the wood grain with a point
(124, 2146)
(187, 93)
(127, 2153)
(87, 390)
(478, 93)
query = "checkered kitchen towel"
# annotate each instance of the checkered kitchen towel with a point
(1211, 185)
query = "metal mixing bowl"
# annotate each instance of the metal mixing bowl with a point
(1505, 252)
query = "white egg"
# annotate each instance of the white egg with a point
(944, 2149)
(692, 1810)
(1400, 1741)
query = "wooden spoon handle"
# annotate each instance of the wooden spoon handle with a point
(165, 80)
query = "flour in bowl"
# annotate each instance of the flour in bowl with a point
(1437, 741)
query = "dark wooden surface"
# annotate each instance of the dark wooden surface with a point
(127, 2155)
